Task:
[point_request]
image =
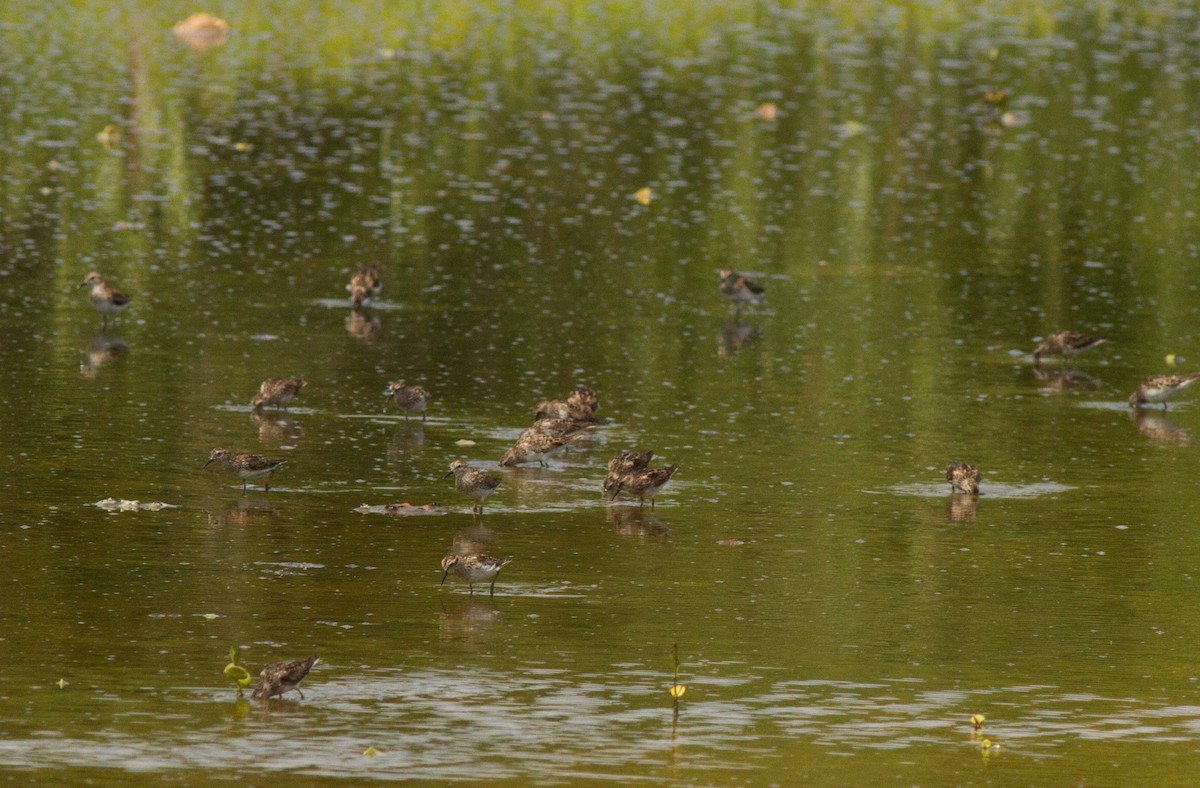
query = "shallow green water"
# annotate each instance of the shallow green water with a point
(839, 615)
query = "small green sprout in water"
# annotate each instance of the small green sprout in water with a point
(977, 721)
(677, 689)
(371, 752)
(241, 677)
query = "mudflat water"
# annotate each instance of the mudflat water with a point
(923, 189)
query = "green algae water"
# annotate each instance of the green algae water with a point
(549, 192)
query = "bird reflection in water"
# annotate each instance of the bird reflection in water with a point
(1158, 427)
(243, 511)
(1064, 378)
(101, 351)
(362, 325)
(275, 428)
(962, 508)
(637, 522)
(407, 440)
(734, 336)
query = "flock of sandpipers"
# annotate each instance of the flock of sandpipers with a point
(557, 423)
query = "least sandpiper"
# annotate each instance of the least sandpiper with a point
(1066, 343)
(738, 289)
(104, 299)
(283, 677)
(622, 465)
(277, 392)
(555, 427)
(474, 569)
(473, 483)
(645, 483)
(1160, 388)
(410, 399)
(963, 477)
(580, 405)
(245, 466)
(537, 447)
(364, 284)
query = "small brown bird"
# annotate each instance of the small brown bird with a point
(623, 465)
(537, 447)
(364, 284)
(245, 466)
(473, 483)
(1066, 343)
(739, 290)
(277, 392)
(580, 405)
(555, 427)
(104, 299)
(283, 677)
(1160, 388)
(409, 399)
(645, 483)
(474, 569)
(963, 477)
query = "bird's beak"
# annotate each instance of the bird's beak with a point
(444, 577)
(81, 284)
(616, 492)
(210, 459)
(448, 474)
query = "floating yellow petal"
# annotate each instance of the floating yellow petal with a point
(677, 691)
(643, 195)
(371, 752)
(62, 683)
(977, 720)
(1172, 359)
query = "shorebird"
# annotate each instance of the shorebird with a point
(738, 289)
(963, 477)
(245, 466)
(473, 483)
(364, 284)
(409, 399)
(474, 569)
(1160, 388)
(104, 299)
(277, 392)
(283, 677)
(645, 483)
(1065, 343)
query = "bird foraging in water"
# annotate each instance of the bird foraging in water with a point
(245, 466)
(621, 466)
(645, 483)
(537, 447)
(473, 483)
(409, 399)
(283, 677)
(104, 299)
(364, 284)
(1160, 388)
(963, 477)
(580, 405)
(1065, 343)
(739, 290)
(474, 569)
(277, 392)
